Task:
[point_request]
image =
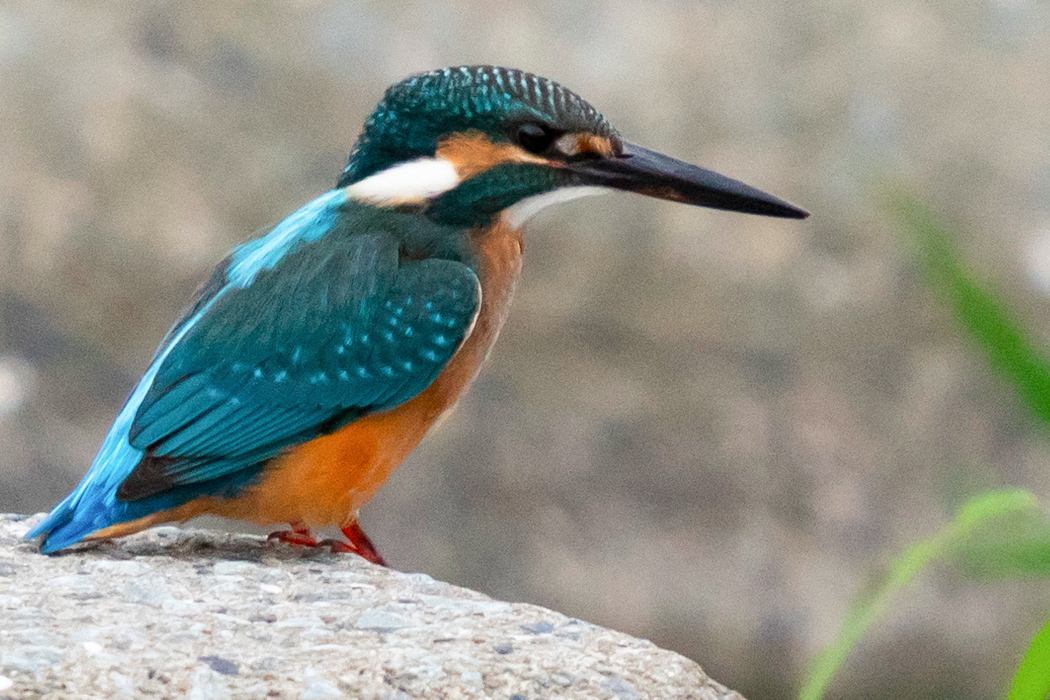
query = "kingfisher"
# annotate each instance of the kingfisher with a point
(318, 355)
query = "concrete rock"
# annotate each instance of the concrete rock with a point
(175, 613)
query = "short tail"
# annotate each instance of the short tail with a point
(93, 504)
(66, 525)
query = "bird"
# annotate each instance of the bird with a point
(317, 356)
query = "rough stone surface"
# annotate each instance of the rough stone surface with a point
(198, 614)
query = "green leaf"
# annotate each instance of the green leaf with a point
(977, 308)
(1032, 680)
(867, 609)
(1019, 545)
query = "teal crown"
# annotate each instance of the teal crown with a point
(415, 114)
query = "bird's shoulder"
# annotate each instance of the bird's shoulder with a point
(321, 229)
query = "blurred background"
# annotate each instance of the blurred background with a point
(704, 429)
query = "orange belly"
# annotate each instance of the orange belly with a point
(324, 482)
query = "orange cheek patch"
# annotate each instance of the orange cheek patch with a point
(472, 153)
(583, 143)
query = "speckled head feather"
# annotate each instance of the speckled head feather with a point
(415, 114)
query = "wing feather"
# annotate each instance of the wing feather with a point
(334, 330)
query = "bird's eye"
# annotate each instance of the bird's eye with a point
(534, 138)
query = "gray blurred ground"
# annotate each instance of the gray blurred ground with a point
(700, 428)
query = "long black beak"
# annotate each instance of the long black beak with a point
(640, 170)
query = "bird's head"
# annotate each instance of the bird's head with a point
(465, 144)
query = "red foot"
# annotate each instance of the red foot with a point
(299, 534)
(358, 544)
(358, 541)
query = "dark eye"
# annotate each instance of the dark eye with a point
(534, 138)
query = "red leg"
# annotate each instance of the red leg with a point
(299, 534)
(358, 544)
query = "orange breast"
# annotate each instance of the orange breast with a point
(325, 481)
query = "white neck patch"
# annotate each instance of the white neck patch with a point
(524, 210)
(413, 182)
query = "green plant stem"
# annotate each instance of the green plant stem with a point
(902, 570)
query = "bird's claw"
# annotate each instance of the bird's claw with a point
(340, 547)
(295, 537)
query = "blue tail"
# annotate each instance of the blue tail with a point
(93, 505)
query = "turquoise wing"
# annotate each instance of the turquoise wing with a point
(297, 332)
(337, 329)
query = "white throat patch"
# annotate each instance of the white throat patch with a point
(413, 182)
(524, 210)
